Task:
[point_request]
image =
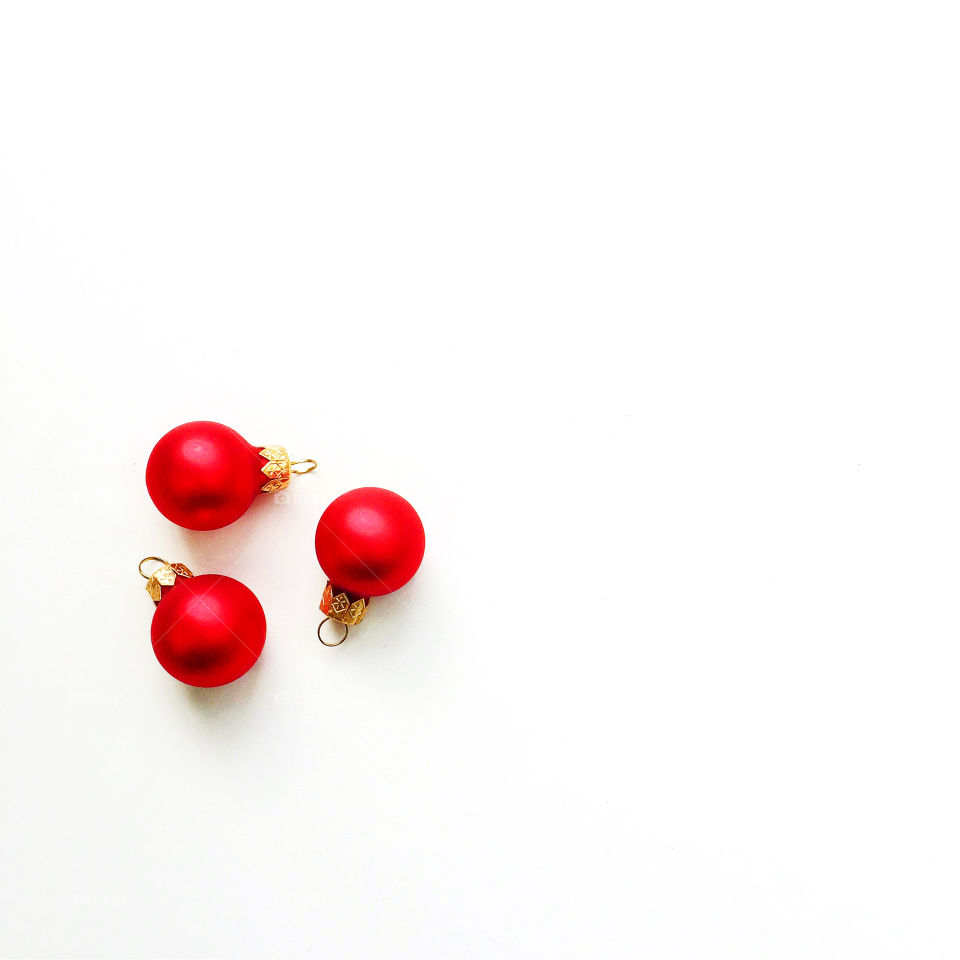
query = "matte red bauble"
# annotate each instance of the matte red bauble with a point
(370, 542)
(207, 630)
(203, 475)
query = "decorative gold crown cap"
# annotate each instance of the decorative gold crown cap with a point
(277, 468)
(341, 608)
(164, 576)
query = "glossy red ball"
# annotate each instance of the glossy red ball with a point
(208, 630)
(203, 475)
(370, 542)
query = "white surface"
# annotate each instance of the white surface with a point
(650, 309)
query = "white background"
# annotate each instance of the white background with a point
(650, 309)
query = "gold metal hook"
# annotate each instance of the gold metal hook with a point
(346, 630)
(295, 463)
(147, 576)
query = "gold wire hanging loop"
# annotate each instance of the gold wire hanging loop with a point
(346, 630)
(294, 463)
(147, 576)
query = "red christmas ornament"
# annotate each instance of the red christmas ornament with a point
(370, 542)
(203, 475)
(207, 630)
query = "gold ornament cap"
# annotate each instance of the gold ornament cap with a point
(164, 576)
(341, 608)
(338, 606)
(279, 467)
